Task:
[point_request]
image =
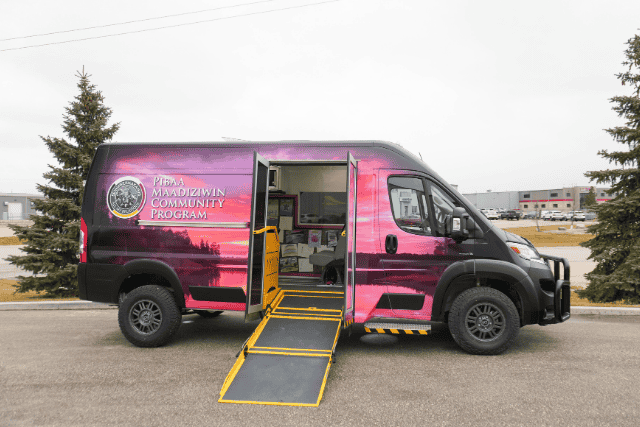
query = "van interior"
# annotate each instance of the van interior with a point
(308, 203)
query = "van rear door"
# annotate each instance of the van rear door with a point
(257, 242)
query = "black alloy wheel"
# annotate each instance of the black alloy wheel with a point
(149, 316)
(145, 317)
(484, 321)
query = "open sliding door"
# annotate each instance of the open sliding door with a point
(350, 230)
(257, 242)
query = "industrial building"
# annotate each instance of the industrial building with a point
(17, 206)
(559, 199)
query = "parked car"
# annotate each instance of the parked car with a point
(589, 216)
(510, 215)
(575, 216)
(545, 215)
(531, 215)
(491, 214)
(557, 216)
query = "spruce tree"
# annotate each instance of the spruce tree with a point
(590, 198)
(52, 242)
(616, 245)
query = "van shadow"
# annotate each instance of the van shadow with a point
(531, 339)
(226, 330)
(229, 331)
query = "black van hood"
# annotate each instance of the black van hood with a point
(517, 239)
(510, 237)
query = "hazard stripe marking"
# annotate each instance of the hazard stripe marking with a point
(396, 331)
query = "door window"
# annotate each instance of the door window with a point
(442, 205)
(409, 204)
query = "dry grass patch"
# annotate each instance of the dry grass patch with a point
(7, 290)
(548, 238)
(577, 301)
(13, 240)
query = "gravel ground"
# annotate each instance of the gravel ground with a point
(5, 231)
(577, 257)
(8, 271)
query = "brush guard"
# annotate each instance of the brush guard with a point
(562, 292)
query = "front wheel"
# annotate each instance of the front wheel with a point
(149, 316)
(484, 321)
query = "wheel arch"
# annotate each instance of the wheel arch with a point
(147, 271)
(503, 276)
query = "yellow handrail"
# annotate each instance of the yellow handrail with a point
(267, 229)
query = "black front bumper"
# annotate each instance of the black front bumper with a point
(560, 308)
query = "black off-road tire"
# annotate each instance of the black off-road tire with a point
(149, 316)
(484, 321)
(208, 314)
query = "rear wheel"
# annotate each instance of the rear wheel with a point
(149, 316)
(484, 321)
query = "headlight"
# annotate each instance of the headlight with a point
(525, 252)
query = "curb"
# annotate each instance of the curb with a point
(56, 305)
(606, 311)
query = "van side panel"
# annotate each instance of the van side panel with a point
(211, 257)
(116, 241)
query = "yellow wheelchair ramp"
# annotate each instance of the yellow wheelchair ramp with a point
(287, 359)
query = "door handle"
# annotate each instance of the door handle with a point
(391, 244)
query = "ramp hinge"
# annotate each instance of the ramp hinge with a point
(243, 348)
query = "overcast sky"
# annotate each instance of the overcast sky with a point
(499, 95)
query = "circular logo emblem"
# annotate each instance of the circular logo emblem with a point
(126, 197)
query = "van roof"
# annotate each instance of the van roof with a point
(272, 150)
(232, 144)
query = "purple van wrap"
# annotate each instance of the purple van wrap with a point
(212, 183)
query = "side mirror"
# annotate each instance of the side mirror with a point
(457, 225)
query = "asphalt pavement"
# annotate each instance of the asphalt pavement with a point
(74, 368)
